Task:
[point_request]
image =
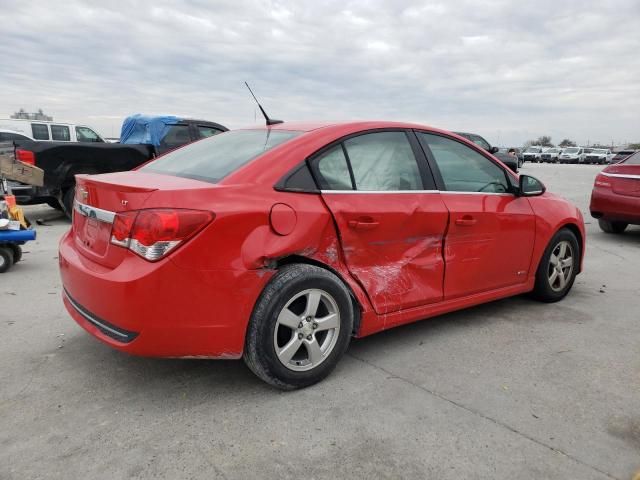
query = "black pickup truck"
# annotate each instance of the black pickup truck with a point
(142, 138)
(512, 162)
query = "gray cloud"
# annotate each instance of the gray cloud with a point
(508, 70)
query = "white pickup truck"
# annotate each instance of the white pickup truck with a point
(572, 155)
(599, 156)
(532, 154)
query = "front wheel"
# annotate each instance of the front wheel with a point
(612, 227)
(558, 267)
(300, 327)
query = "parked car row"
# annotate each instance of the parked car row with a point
(584, 155)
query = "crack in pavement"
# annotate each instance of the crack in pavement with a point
(482, 415)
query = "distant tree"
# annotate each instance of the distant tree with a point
(634, 146)
(567, 143)
(545, 141)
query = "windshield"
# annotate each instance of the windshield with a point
(533, 150)
(213, 158)
(572, 150)
(599, 151)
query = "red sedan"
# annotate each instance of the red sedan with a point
(615, 200)
(278, 244)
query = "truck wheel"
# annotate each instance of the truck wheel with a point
(67, 200)
(54, 203)
(6, 259)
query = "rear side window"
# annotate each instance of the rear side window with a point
(206, 132)
(334, 170)
(60, 133)
(176, 136)
(85, 134)
(40, 131)
(216, 157)
(463, 169)
(383, 161)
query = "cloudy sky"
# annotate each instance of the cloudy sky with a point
(509, 70)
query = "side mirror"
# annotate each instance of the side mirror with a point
(529, 186)
(494, 150)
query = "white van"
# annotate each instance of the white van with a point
(52, 131)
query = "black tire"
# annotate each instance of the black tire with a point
(17, 253)
(6, 259)
(54, 203)
(612, 227)
(260, 344)
(67, 200)
(544, 290)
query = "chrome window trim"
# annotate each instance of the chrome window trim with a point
(621, 175)
(379, 191)
(412, 191)
(477, 193)
(93, 212)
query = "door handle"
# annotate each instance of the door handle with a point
(466, 221)
(363, 225)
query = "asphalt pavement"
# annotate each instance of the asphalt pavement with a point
(510, 389)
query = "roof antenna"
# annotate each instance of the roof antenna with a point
(270, 121)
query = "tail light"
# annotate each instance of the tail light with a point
(25, 156)
(602, 181)
(153, 233)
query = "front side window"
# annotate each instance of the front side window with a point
(206, 132)
(85, 134)
(60, 133)
(213, 158)
(383, 161)
(40, 131)
(463, 169)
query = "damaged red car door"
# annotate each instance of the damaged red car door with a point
(490, 238)
(390, 218)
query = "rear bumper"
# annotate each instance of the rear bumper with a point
(607, 205)
(29, 194)
(160, 309)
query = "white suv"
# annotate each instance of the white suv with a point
(51, 131)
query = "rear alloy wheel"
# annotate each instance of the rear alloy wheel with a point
(558, 267)
(300, 327)
(612, 227)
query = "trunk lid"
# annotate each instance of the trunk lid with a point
(100, 197)
(625, 179)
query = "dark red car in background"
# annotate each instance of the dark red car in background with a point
(278, 244)
(615, 200)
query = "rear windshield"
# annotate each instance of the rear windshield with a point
(533, 150)
(632, 160)
(572, 150)
(213, 158)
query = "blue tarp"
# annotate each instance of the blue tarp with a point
(146, 129)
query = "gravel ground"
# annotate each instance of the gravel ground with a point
(511, 389)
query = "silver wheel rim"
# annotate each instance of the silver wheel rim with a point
(307, 330)
(2, 261)
(560, 266)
